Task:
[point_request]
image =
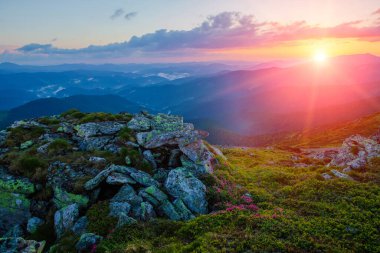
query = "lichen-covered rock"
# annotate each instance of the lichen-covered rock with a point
(182, 210)
(26, 144)
(341, 175)
(20, 245)
(156, 138)
(64, 175)
(119, 208)
(169, 210)
(14, 210)
(80, 226)
(139, 123)
(144, 211)
(182, 184)
(43, 149)
(150, 158)
(14, 184)
(98, 143)
(143, 178)
(119, 179)
(125, 220)
(199, 154)
(100, 128)
(355, 152)
(87, 242)
(64, 219)
(95, 159)
(33, 224)
(156, 193)
(127, 194)
(63, 198)
(101, 176)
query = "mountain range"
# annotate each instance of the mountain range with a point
(246, 101)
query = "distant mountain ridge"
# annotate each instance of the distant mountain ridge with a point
(54, 106)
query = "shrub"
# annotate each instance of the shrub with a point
(49, 121)
(137, 160)
(73, 114)
(20, 135)
(28, 165)
(98, 220)
(59, 147)
(126, 134)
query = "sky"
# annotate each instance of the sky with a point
(123, 31)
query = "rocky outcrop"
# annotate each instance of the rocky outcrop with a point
(151, 170)
(355, 152)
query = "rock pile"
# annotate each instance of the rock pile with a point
(173, 153)
(355, 153)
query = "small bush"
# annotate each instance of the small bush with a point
(49, 121)
(98, 220)
(137, 159)
(73, 114)
(20, 135)
(59, 147)
(126, 134)
(28, 165)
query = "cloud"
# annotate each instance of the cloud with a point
(117, 13)
(222, 31)
(377, 12)
(130, 15)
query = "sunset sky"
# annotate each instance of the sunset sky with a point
(123, 31)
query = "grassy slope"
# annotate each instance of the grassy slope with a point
(333, 135)
(298, 212)
(326, 136)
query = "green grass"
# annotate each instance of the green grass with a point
(332, 136)
(298, 212)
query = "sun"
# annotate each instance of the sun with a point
(320, 56)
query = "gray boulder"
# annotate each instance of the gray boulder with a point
(96, 160)
(182, 210)
(94, 182)
(98, 129)
(144, 211)
(20, 245)
(87, 242)
(150, 158)
(143, 178)
(14, 210)
(33, 224)
(125, 220)
(156, 193)
(119, 208)
(80, 226)
(355, 152)
(64, 219)
(169, 210)
(127, 194)
(199, 154)
(182, 184)
(139, 123)
(119, 179)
